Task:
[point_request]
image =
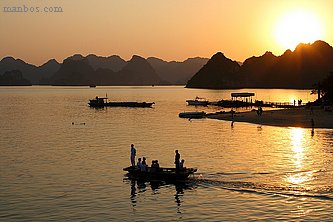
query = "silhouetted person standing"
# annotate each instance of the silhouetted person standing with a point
(259, 111)
(133, 154)
(177, 158)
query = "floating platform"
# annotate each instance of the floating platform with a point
(192, 115)
(103, 102)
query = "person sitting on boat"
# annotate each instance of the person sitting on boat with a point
(154, 166)
(181, 165)
(157, 165)
(139, 164)
(144, 165)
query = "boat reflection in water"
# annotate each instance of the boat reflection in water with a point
(140, 186)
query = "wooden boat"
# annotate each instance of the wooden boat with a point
(103, 102)
(192, 115)
(165, 174)
(197, 102)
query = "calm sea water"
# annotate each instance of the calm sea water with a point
(51, 169)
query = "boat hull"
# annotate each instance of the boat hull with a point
(165, 174)
(197, 103)
(192, 115)
(122, 104)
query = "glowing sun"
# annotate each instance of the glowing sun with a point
(296, 27)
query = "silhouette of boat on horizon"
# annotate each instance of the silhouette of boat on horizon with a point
(100, 102)
(161, 173)
(197, 102)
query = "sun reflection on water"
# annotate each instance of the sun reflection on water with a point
(300, 174)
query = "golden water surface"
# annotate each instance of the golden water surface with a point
(62, 160)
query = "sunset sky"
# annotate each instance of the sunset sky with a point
(171, 30)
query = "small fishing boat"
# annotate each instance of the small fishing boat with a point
(192, 115)
(99, 102)
(162, 173)
(197, 102)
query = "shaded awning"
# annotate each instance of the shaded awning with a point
(244, 94)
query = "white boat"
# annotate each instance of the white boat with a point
(197, 102)
(192, 115)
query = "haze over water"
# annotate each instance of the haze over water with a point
(51, 169)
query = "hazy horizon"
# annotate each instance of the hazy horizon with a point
(170, 30)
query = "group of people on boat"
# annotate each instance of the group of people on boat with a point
(143, 167)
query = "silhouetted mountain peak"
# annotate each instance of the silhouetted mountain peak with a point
(12, 60)
(76, 57)
(301, 47)
(28, 71)
(138, 70)
(8, 59)
(218, 55)
(316, 52)
(51, 62)
(216, 73)
(321, 44)
(270, 54)
(115, 57)
(266, 57)
(322, 47)
(288, 53)
(71, 60)
(218, 61)
(155, 59)
(114, 62)
(306, 65)
(194, 59)
(318, 45)
(137, 62)
(136, 58)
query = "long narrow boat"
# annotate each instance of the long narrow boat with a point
(192, 115)
(99, 102)
(165, 174)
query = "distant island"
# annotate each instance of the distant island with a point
(307, 65)
(78, 70)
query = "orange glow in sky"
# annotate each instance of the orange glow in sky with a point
(171, 30)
